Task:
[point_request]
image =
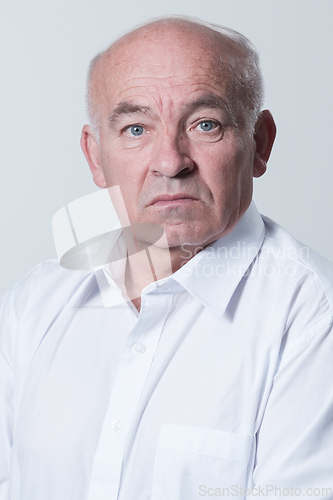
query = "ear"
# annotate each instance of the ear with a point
(264, 136)
(90, 148)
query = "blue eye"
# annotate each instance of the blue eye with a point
(207, 125)
(136, 130)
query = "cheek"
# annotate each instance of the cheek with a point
(222, 163)
(126, 172)
(228, 172)
(119, 169)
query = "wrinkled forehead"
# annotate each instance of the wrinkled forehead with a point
(164, 54)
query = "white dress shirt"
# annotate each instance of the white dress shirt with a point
(224, 381)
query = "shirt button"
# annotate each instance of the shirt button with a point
(116, 424)
(140, 348)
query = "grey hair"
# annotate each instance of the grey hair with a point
(93, 108)
(245, 92)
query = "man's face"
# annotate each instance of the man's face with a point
(168, 139)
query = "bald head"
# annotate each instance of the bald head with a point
(172, 38)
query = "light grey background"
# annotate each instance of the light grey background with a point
(46, 47)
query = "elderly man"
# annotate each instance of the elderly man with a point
(212, 377)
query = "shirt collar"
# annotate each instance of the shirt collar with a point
(213, 275)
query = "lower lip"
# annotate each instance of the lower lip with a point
(173, 203)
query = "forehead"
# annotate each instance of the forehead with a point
(167, 61)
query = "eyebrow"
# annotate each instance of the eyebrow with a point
(213, 101)
(127, 108)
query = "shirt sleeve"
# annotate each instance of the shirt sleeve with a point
(295, 440)
(12, 306)
(7, 336)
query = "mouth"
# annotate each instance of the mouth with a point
(172, 200)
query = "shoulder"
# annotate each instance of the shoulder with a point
(47, 280)
(35, 300)
(304, 280)
(281, 245)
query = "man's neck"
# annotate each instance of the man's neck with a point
(148, 266)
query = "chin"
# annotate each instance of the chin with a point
(178, 236)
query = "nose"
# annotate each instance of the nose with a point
(171, 158)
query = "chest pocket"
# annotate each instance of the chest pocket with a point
(193, 462)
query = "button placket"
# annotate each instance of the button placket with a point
(140, 347)
(129, 383)
(116, 425)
